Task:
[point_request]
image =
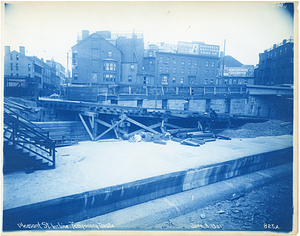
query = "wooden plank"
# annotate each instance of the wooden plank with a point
(116, 132)
(141, 125)
(141, 130)
(172, 126)
(109, 129)
(86, 127)
(108, 125)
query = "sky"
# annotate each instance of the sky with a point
(49, 29)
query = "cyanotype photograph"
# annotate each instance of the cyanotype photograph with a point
(157, 117)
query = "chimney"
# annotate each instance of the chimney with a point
(284, 41)
(22, 50)
(85, 34)
(274, 46)
(7, 50)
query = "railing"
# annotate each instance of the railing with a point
(24, 133)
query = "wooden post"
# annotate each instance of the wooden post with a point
(86, 127)
(141, 125)
(113, 126)
(108, 125)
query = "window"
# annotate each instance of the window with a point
(245, 81)
(75, 76)
(212, 64)
(189, 71)
(115, 66)
(111, 66)
(174, 60)
(275, 54)
(17, 75)
(29, 67)
(211, 81)
(167, 69)
(17, 66)
(140, 103)
(196, 63)
(183, 61)
(11, 66)
(181, 80)
(129, 78)
(182, 70)
(174, 80)
(174, 70)
(195, 71)
(150, 54)
(11, 74)
(189, 62)
(28, 75)
(164, 80)
(207, 63)
(109, 54)
(160, 68)
(17, 56)
(225, 81)
(11, 56)
(160, 60)
(168, 60)
(206, 73)
(106, 66)
(285, 50)
(234, 81)
(280, 52)
(206, 81)
(212, 73)
(150, 62)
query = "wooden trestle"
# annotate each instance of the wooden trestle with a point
(120, 114)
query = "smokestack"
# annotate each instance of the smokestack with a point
(7, 50)
(22, 50)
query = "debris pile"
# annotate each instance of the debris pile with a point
(253, 130)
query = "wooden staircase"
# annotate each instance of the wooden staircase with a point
(25, 144)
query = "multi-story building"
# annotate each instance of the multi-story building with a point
(276, 65)
(107, 57)
(185, 69)
(234, 72)
(59, 70)
(28, 75)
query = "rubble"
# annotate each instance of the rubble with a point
(253, 130)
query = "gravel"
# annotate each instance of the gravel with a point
(253, 130)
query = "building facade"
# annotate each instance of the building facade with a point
(276, 65)
(107, 58)
(28, 75)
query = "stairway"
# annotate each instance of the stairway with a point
(25, 145)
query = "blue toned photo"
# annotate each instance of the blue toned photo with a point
(170, 116)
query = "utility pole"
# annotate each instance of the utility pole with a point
(156, 84)
(223, 59)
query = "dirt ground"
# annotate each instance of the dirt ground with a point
(265, 209)
(253, 130)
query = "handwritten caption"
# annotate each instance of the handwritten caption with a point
(71, 225)
(271, 226)
(206, 226)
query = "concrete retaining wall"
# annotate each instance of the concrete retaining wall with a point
(89, 204)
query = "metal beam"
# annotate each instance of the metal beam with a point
(85, 125)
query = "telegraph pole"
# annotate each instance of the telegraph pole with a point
(223, 59)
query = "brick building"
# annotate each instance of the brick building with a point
(276, 65)
(106, 57)
(234, 72)
(28, 75)
(95, 60)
